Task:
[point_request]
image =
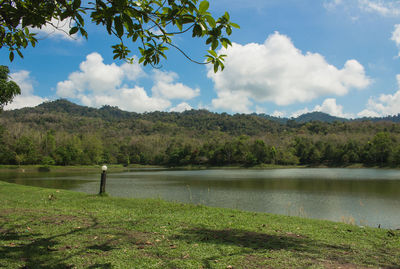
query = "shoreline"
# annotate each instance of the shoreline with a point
(121, 168)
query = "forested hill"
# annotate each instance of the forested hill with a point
(63, 133)
(110, 113)
(318, 116)
(69, 116)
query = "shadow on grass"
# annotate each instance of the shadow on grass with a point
(253, 243)
(101, 266)
(35, 251)
(253, 240)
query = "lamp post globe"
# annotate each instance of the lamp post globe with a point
(104, 168)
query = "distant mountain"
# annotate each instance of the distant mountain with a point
(208, 118)
(375, 119)
(318, 116)
(74, 118)
(272, 118)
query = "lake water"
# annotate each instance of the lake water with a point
(368, 197)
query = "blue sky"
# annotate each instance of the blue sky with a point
(289, 57)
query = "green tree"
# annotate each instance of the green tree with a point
(382, 147)
(8, 89)
(150, 24)
(26, 152)
(92, 149)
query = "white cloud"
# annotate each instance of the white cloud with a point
(384, 8)
(300, 112)
(278, 72)
(181, 107)
(332, 4)
(165, 86)
(328, 106)
(279, 114)
(129, 99)
(232, 101)
(396, 35)
(27, 97)
(384, 105)
(94, 75)
(97, 84)
(57, 29)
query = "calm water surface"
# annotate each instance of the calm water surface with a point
(360, 196)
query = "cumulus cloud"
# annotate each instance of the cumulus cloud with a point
(328, 106)
(165, 86)
(27, 97)
(129, 99)
(396, 35)
(276, 71)
(279, 114)
(181, 107)
(384, 105)
(97, 84)
(57, 29)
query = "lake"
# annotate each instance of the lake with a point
(369, 197)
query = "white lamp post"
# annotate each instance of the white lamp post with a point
(103, 179)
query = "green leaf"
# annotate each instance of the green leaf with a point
(234, 25)
(83, 32)
(213, 53)
(135, 37)
(204, 5)
(11, 56)
(216, 64)
(197, 30)
(128, 23)
(178, 24)
(118, 26)
(20, 54)
(210, 21)
(80, 19)
(228, 30)
(227, 16)
(73, 30)
(77, 4)
(222, 66)
(214, 44)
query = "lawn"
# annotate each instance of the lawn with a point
(48, 228)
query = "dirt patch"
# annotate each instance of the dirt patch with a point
(8, 211)
(254, 261)
(336, 265)
(293, 235)
(62, 219)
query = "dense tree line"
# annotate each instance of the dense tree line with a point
(62, 133)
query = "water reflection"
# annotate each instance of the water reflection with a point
(363, 196)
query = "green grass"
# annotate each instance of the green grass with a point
(46, 228)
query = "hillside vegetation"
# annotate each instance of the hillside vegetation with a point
(64, 133)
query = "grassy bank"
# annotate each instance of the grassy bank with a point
(57, 168)
(45, 228)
